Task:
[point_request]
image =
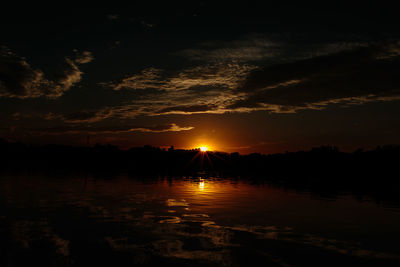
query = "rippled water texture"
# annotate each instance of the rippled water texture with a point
(121, 221)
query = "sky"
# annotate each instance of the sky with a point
(245, 76)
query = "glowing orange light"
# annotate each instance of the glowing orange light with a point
(201, 185)
(203, 148)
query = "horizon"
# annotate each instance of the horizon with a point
(204, 149)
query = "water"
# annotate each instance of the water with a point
(81, 220)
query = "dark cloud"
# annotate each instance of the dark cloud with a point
(18, 79)
(356, 76)
(80, 116)
(84, 116)
(187, 109)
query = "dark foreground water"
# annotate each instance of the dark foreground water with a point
(80, 220)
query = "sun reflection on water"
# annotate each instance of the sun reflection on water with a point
(201, 185)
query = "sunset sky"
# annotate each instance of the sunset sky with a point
(248, 78)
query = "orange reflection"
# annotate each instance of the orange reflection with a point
(201, 185)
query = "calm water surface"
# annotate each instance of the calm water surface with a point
(121, 221)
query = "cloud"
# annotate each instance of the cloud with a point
(146, 79)
(222, 75)
(92, 116)
(70, 76)
(84, 116)
(172, 127)
(254, 48)
(191, 101)
(187, 109)
(352, 76)
(355, 76)
(349, 77)
(83, 57)
(216, 75)
(18, 79)
(257, 48)
(202, 89)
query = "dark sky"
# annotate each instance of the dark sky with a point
(236, 77)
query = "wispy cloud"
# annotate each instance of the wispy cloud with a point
(86, 116)
(146, 79)
(222, 75)
(259, 48)
(20, 80)
(112, 130)
(350, 77)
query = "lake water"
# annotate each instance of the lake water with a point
(82, 220)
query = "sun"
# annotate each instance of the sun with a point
(203, 148)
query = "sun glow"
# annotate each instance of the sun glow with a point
(201, 185)
(203, 148)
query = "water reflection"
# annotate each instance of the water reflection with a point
(123, 221)
(201, 185)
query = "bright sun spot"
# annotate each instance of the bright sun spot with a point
(203, 148)
(201, 185)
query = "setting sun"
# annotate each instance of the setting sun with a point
(203, 148)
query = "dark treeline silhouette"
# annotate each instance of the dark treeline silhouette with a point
(322, 169)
